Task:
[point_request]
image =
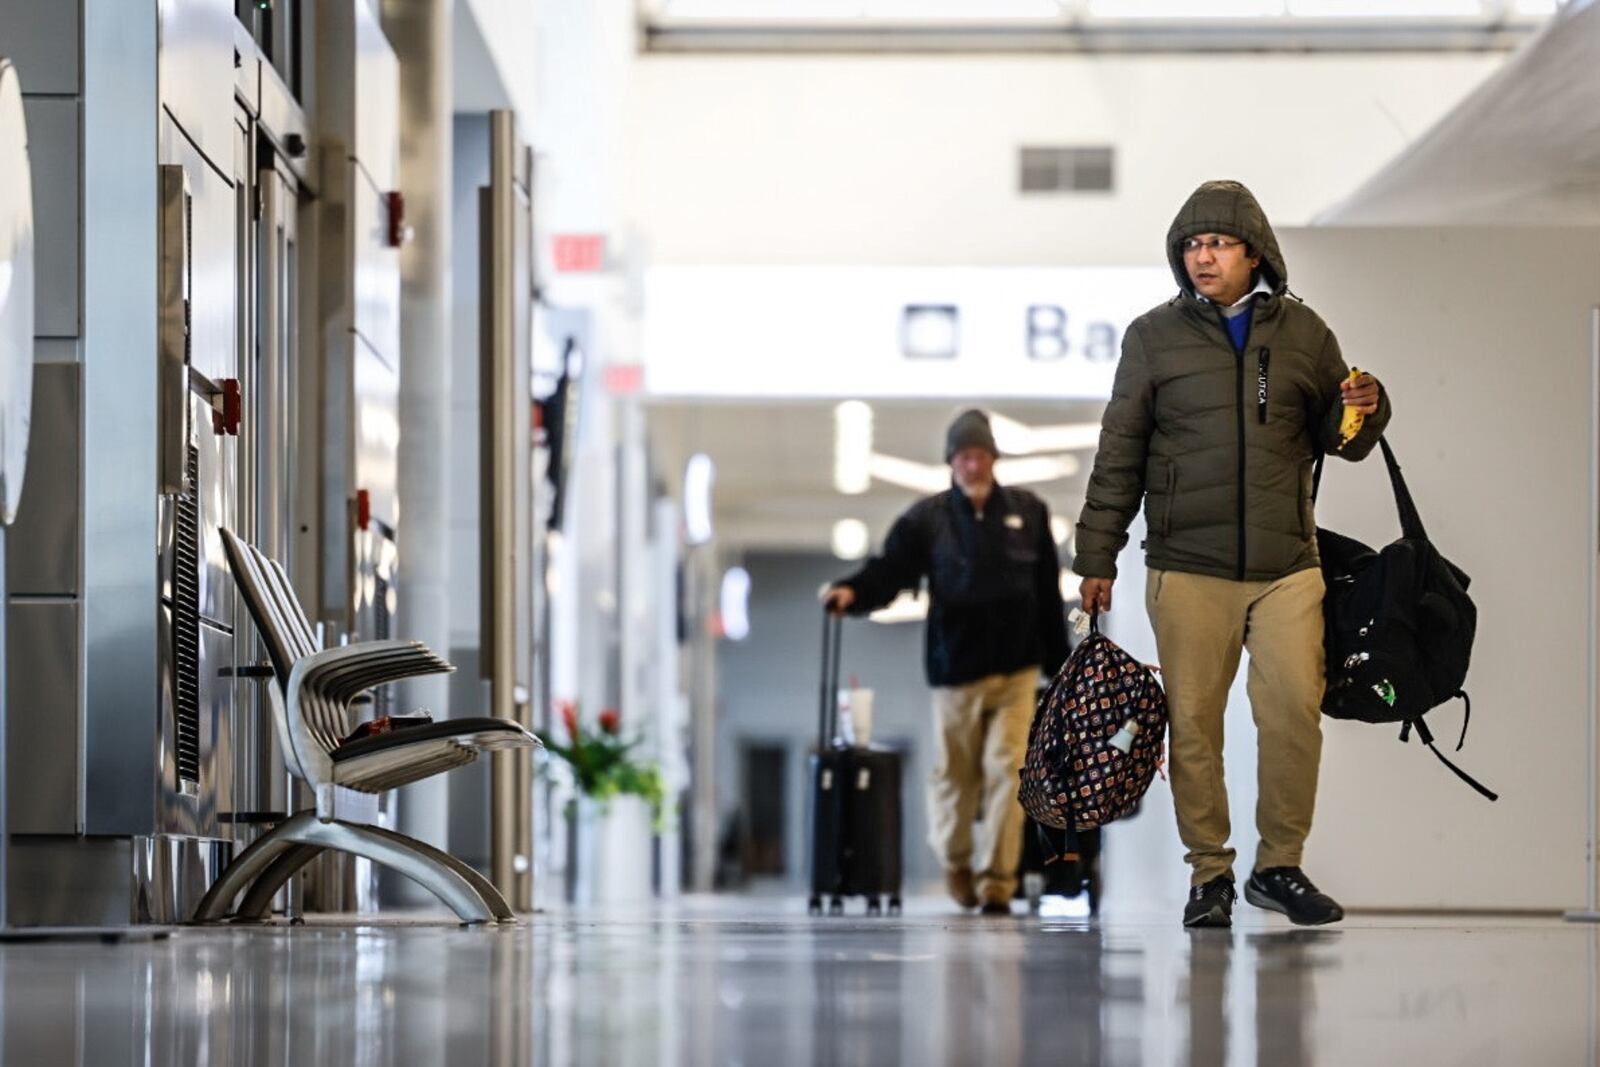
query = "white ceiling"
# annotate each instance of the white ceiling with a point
(774, 461)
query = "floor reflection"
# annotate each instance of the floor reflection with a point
(729, 982)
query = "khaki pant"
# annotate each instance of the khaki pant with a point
(1201, 626)
(980, 735)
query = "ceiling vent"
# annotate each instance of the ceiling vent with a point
(1066, 170)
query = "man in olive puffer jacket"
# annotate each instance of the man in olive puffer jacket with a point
(1223, 398)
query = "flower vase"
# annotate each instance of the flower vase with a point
(611, 851)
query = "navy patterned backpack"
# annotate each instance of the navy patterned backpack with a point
(1097, 739)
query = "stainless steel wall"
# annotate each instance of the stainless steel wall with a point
(123, 808)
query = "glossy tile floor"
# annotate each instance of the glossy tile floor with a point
(751, 981)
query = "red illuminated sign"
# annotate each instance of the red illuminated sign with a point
(579, 253)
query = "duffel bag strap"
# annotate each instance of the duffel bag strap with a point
(1410, 519)
(1069, 852)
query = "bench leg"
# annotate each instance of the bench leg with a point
(248, 866)
(258, 900)
(491, 896)
(396, 851)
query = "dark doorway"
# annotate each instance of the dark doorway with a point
(763, 789)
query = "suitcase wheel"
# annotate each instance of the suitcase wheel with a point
(894, 905)
(814, 906)
(874, 905)
(836, 906)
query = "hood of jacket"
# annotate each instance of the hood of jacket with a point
(1226, 207)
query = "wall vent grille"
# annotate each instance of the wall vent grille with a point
(1067, 170)
(186, 629)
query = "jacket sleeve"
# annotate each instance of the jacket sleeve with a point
(901, 566)
(1333, 370)
(1116, 486)
(1047, 595)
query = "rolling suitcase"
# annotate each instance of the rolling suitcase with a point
(855, 807)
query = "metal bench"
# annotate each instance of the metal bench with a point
(310, 691)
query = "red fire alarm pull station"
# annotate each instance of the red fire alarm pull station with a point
(227, 408)
(363, 509)
(395, 201)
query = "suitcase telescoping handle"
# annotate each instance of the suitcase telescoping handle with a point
(828, 705)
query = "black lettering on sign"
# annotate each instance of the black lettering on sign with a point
(1047, 332)
(1101, 346)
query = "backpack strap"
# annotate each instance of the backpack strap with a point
(1426, 737)
(1465, 718)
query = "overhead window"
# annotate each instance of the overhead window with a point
(1009, 11)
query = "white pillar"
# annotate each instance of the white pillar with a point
(420, 33)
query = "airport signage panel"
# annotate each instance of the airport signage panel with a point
(836, 332)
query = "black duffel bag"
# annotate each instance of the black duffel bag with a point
(1398, 626)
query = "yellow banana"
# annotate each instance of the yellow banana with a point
(1350, 424)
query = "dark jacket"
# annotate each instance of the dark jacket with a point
(1219, 444)
(994, 585)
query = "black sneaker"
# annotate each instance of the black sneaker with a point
(1211, 903)
(1288, 890)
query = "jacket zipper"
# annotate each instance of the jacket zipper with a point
(1238, 398)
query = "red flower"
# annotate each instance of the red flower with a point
(569, 717)
(611, 721)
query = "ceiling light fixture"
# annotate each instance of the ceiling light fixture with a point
(1019, 439)
(852, 447)
(698, 479)
(735, 604)
(851, 539)
(1031, 470)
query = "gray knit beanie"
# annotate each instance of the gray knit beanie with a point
(969, 430)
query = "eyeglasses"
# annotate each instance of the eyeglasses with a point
(1215, 244)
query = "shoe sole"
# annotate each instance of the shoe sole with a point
(1217, 918)
(1261, 900)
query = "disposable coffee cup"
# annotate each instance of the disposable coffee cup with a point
(861, 717)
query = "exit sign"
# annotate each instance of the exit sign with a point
(579, 253)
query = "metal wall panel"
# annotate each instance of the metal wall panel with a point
(42, 695)
(44, 546)
(41, 37)
(212, 338)
(213, 352)
(377, 270)
(247, 69)
(377, 431)
(217, 492)
(53, 146)
(196, 65)
(196, 815)
(120, 659)
(71, 881)
(281, 118)
(377, 116)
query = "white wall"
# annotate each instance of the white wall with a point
(912, 159)
(499, 47)
(1482, 338)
